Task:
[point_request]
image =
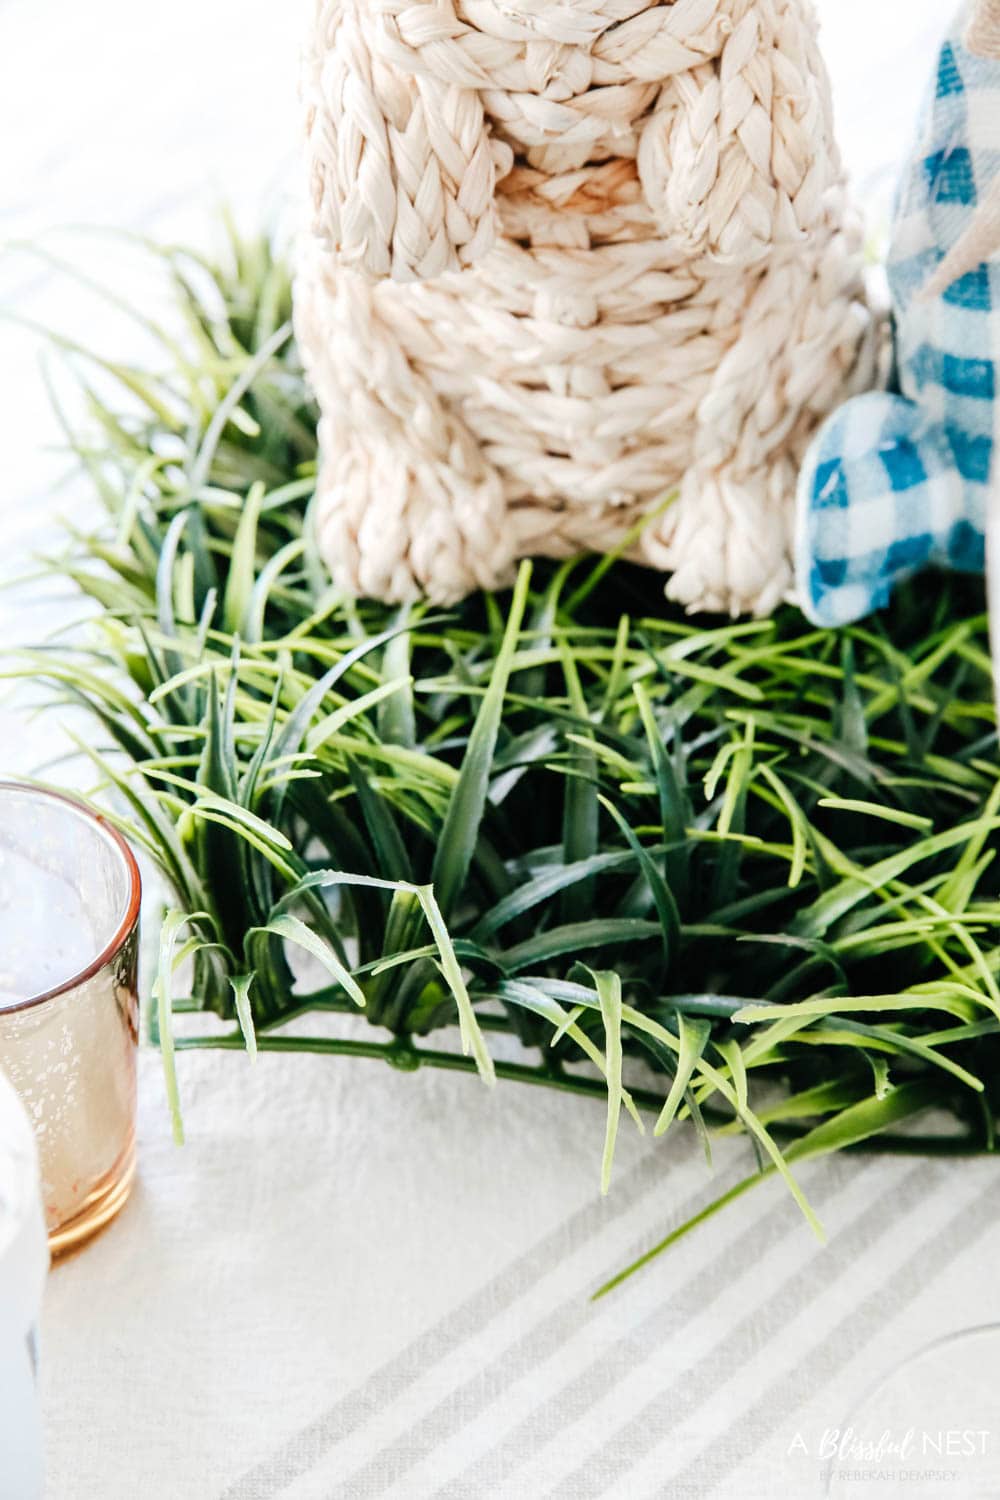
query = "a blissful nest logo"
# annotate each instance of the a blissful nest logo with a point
(853, 1455)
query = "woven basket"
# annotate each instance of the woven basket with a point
(568, 258)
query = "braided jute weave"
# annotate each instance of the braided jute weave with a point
(569, 256)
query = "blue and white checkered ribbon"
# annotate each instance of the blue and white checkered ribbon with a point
(895, 482)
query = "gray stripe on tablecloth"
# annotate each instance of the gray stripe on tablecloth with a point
(652, 1424)
(551, 1416)
(464, 1405)
(855, 1331)
(305, 1450)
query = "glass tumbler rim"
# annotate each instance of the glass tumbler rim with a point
(130, 917)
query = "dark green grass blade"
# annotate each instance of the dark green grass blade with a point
(460, 830)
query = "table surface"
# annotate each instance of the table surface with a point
(356, 1282)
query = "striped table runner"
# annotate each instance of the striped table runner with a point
(355, 1283)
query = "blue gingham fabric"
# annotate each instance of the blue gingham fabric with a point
(895, 482)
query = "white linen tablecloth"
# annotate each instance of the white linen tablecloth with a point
(354, 1282)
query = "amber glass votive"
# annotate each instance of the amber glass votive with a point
(69, 924)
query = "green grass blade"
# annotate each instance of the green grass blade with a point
(241, 994)
(609, 995)
(460, 830)
(291, 930)
(173, 921)
(693, 1037)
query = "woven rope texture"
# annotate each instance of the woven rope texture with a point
(568, 257)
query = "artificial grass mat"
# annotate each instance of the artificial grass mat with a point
(731, 876)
